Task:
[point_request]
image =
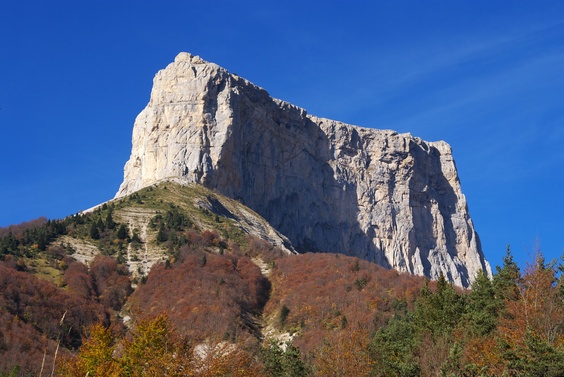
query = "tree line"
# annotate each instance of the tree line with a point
(512, 325)
(206, 309)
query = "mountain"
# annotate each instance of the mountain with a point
(171, 281)
(327, 186)
(217, 269)
(174, 207)
(62, 276)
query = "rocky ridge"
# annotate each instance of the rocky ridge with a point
(327, 186)
(206, 209)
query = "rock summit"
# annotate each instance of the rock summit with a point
(327, 186)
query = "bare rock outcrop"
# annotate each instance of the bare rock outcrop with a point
(327, 186)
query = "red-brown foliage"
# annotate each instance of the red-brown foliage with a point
(31, 312)
(111, 281)
(105, 281)
(21, 344)
(78, 280)
(205, 295)
(18, 229)
(329, 292)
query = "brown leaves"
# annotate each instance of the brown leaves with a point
(344, 353)
(30, 314)
(155, 349)
(214, 299)
(324, 291)
(95, 357)
(539, 309)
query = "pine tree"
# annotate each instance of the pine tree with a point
(482, 309)
(94, 231)
(438, 312)
(110, 224)
(393, 347)
(161, 235)
(122, 233)
(506, 280)
(280, 362)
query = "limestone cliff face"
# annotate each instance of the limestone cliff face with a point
(328, 186)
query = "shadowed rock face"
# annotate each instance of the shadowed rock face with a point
(328, 186)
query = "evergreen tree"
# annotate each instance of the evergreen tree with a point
(41, 240)
(393, 347)
(94, 231)
(122, 233)
(110, 224)
(536, 358)
(284, 312)
(9, 245)
(279, 362)
(100, 224)
(506, 280)
(438, 313)
(482, 309)
(161, 235)
(173, 239)
(135, 237)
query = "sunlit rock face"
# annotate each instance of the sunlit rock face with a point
(328, 186)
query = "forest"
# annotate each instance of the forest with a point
(223, 305)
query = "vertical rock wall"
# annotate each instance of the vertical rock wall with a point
(328, 186)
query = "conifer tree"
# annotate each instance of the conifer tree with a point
(122, 233)
(482, 309)
(438, 312)
(279, 362)
(110, 224)
(393, 347)
(161, 235)
(506, 280)
(94, 231)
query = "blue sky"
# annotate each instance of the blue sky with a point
(485, 76)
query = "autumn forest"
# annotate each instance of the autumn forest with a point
(222, 303)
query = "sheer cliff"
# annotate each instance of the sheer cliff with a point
(328, 186)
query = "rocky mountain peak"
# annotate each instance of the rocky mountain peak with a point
(328, 186)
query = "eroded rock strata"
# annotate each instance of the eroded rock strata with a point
(328, 186)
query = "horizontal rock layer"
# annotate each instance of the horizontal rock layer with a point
(327, 186)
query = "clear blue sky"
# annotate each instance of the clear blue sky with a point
(485, 76)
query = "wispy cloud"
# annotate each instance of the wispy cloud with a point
(435, 84)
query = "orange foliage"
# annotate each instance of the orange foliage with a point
(155, 348)
(344, 353)
(327, 291)
(18, 229)
(226, 359)
(484, 353)
(30, 319)
(206, 295)
(538, 311)
(111, 281)
(78, 280)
